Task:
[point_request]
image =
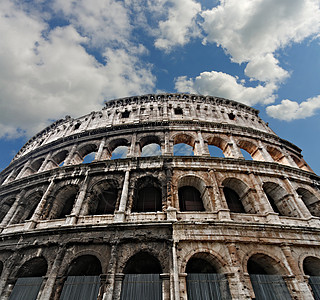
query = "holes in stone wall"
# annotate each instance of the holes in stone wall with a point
(142, 263)
(311, 266)
(190, 199)
(178, 111)
(148, 196)
(233, 200)
(85, 265)
(34, 267)
(125, 114)
(119, 152)
(152, 149)
(310, 200)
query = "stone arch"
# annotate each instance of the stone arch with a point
(311, 266)
(34, 167)
(85, 150)
(251, 148)
(238, 196)
(219, 142)
(277, 155)
(279, 199)
(103, 197)
(259, 261)
(59, 158)
(82, 279)
(147, 195)
(114, 144)
(142, 262)
(266, 275)
(34, 267)
(6, 203)
(61, 202)
(301, 163)
(27, 207)
(214, 261)
(205, 279)
(310, 200)
(150, 145)
(199, 194)
(183, 139)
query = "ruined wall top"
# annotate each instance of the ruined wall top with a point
(152, 108)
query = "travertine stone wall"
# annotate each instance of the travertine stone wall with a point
(50, 211)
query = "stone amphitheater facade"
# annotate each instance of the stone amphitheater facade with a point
(169, 215)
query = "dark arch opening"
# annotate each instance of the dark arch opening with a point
(35, 267)
(199, 265)
(1, 267)
(85, 265)
(311, 266)
(190, 199)
(310, 200)
(233, 200)
(148, 197)
(143, 263)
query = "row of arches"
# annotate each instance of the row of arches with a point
(179, 144)
(149, 194)
(206, 278)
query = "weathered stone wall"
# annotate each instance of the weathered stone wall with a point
(52, 209)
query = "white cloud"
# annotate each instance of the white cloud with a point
(180, 25)
(46, 77)
(247, 29)
(265, 68)
(224, 85)
(290, 110)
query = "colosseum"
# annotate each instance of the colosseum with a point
(166, 196)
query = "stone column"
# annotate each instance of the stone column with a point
(167, 148)
(238, 283)
(165, 111)
(72, 218)
(119, 216)
(175, 270)
(38, 212)
(100, 150)
(133, 151)
(52, 277)
(203, 150)
(8, 266)
(68, 160)
(265, 154)
(302, 208)
(110, 277)
(8, 177)
(6, 220)
(26, 166)
(44, 164)
(233, 149)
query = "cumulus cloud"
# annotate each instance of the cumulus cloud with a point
(227, 86)
(48, 73)
(290, 110)
(180, 25)
(247, 29)
(265, 68)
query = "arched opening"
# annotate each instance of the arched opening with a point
(1, 267)
(60, 157)
(119, 152)
(148, 196)
(279, 199)
(249, 150)
(310, 200)
(36, 165)
(62, 202)
(118, 148)
(142, 278)
(204, 278)
(193, 194)
(87, 153)
(83, 280)
(5, 206)
(277, 155)
(26, 209)
(215, 151)
(311, 267)
(183, 145)
(190, 199)
(246, 154)
(233, 200)
(266, 278)
(103, 198)
(152, 149)
(29, 279)
(182, 149)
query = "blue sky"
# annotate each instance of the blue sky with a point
(63, 57)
